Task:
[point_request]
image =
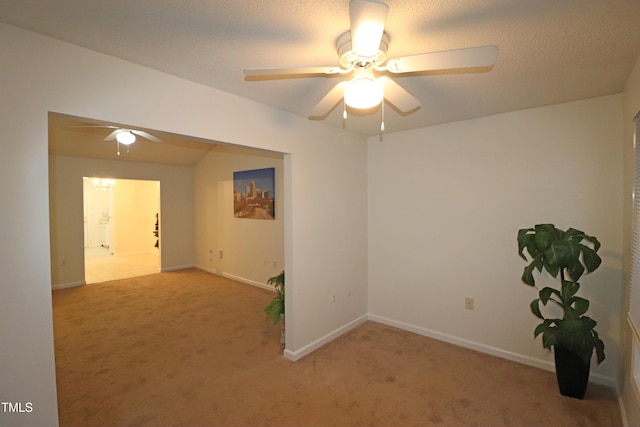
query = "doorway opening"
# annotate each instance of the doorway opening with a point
(121, 228)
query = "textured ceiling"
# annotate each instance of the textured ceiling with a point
(550, 51)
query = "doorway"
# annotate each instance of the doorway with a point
(121, 228)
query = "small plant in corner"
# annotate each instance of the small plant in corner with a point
(569, 254)
(275, 308)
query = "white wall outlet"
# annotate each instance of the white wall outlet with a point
(468, 303)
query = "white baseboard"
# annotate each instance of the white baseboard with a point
(248, 281)
(206, 269)
(623, 411)
(68, 285)
(482, 348)
(176, 267)
(309, 348)
(236, 278)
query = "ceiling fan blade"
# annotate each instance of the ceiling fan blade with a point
(93, 126)
(482, 56)
(367, 26)
(329, 102)
(146, 135)
(290, 71)
(398, 96)
(113, 134)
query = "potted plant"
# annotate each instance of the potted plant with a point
(569, 254)
(275, 308)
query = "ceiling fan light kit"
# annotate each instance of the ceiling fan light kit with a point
(363, 92)
(128, 136)
(125, 137)
(363, 51)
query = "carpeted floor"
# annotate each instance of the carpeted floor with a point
(188, 348)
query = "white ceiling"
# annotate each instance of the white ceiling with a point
(550, 51)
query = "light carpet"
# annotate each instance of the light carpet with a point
(189, 348)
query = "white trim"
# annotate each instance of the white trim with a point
(236, 278)
(482, 348)
(623, 413)
(635, 356)
(248, 281)
(206, 269)
(177, 267)
(633, 326)
(309, 348)
(68, 285)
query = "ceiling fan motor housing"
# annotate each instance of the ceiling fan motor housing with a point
(349, 59)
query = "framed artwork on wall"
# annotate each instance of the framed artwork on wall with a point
(254, 194)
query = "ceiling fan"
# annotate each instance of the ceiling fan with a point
(124, 136)
(362, 55)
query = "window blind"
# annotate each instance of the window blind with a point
(634, 299)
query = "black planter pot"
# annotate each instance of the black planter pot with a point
(572, 373)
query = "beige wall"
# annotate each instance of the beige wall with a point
(253, 250)
(50, 76)
(135, 204)
(445, 206)
(67, 233)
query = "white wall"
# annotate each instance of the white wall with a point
(253, 250)
(325, 241)
(65, 183)
(445, 205)
(628, 397)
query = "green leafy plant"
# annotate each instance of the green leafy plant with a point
(569, 254)
(275, 308)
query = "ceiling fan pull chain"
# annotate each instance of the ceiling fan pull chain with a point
(118, 147)
(382, 116)
(344, 109)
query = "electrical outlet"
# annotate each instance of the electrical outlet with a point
(468, 303)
